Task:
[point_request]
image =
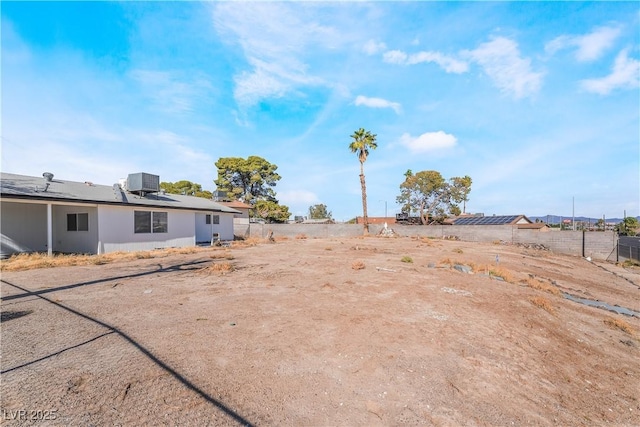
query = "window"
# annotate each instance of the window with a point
(160, 223)
(150, 222)
(142, 222)
(78, 222)
(216, 219)
(207, 219)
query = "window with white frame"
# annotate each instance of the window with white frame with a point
(150, 222)
(216, 219)
(207, 219)
(78, 222)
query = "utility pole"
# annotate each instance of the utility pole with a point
(573, 213)
(385, 208)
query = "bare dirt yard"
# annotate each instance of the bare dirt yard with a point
(323, 332)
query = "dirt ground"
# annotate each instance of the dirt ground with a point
(323, 332)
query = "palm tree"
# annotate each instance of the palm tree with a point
(363, 141)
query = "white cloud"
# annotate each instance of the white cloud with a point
(589, 47)
(377, 103)
(447, 63)
(501, 61)
(429, 141)
(168, 92)
(275, 38)
(372, 47)
(395, 57)
(624, 75)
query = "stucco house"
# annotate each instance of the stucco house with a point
(47, 214)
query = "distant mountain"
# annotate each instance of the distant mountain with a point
(557, 219)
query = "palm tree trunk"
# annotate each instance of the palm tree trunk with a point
(365, 218)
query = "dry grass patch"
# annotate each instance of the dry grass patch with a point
(501, 272)
(222, 255)
(300, 236)
(218, 268)
(542, 286)
(448, 261)
(357, 265)
(406, 259)
(249, 242)
(619, 324)
(457, 250)
(22, 262)
(543, 303)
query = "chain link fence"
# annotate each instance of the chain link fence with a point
(629, 247)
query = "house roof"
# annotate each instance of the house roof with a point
(236, 204)
(533, 226)
(33, 188)
(492, 220)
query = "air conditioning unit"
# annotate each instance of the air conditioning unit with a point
(140, 183)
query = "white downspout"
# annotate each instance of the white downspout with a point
(49, 230)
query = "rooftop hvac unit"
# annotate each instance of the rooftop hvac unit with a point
(219, 195)
(140, 183)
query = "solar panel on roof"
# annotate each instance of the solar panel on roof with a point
(486, 220)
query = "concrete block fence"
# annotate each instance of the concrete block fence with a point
(597, 245)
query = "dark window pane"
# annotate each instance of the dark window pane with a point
(142, 222)
(83, 222)
(207, 219)
(216, 219)
(160, 222)
(72, 223)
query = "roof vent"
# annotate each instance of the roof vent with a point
(48, 176)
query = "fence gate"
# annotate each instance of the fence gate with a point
(629, 247)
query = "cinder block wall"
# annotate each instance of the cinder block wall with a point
(598, 245)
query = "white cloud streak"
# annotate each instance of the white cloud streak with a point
(168, 92)
(501, 60)
(372, 47)
(274, 39)
(624, 75)
(377, 103)
(429, 141)
(447, 63)
(589, 47)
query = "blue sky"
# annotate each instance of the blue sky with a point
(539, 102)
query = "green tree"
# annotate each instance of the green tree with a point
(249, 179)
(319, 211)
(430, 195)
(600, 224)
(271, 211)
(363, 141)
(628, 227)
(461, 188)
(187, 188)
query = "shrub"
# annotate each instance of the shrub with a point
(619, 324)
(501, 272)
(220, 268)
(543, 303)
(406, 259)
(542, 286)
(357, 265)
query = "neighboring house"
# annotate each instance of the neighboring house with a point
(54, 215)
(520, 221)
(242, 217)
(376, 220)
